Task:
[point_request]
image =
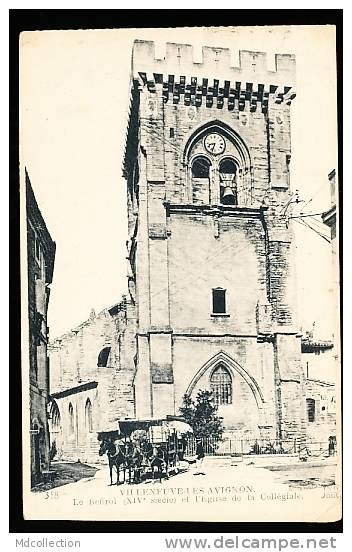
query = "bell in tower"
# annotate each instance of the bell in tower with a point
(228, 192)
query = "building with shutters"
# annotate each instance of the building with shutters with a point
(40, 267)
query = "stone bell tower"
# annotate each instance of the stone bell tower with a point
(207, 165)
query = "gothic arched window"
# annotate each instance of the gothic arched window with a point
(103, 357)
(200, 167)
(55, 417)
(71, 419)
(88, 416)
(221, 385)
(200, 170)
(227, 166)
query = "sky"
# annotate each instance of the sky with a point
(74, 99)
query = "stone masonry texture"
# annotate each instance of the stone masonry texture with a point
(186, 242)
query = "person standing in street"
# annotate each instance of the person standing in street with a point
(200, 457)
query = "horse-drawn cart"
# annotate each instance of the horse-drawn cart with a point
(144, 448)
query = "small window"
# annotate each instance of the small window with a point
(219, 301)
(311, 410)
(200, 167)
(71, 419)
(103, 357)
(172, 133)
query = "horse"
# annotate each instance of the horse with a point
(116, 456)
(156, 457)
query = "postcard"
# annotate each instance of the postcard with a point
(180, 284)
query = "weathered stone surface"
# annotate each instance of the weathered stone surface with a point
(78, 383)
(244, 249)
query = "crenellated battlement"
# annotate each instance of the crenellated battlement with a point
(179, 63)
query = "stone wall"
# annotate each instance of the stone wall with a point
(324, 424)
(199, 261)
(74, 437)
(74, 355)
(107, 338)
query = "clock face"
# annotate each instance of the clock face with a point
(214, 143)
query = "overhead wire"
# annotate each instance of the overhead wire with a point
(320, 225)
(313, 196)
(302, 215)
(164, 140)
(314, 221)
(303, 223)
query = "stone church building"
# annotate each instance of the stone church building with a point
(92, 372)
(211, 280)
